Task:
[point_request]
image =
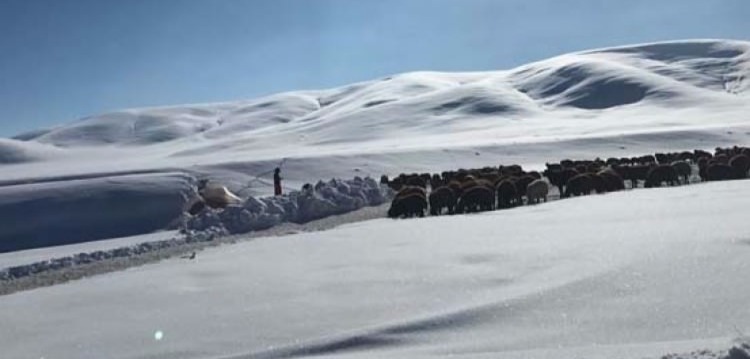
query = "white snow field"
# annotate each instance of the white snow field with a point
(632, 274)
(621, 101)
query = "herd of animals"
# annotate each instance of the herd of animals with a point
(490, 188)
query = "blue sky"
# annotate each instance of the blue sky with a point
(64, 59)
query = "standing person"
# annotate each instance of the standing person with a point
(277, 182)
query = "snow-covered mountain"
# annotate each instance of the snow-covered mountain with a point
(621, 91)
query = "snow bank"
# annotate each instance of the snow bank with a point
(64, 212)
(314, 202)
(738, 351)
(311, 202)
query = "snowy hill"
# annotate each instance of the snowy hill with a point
(622, 91)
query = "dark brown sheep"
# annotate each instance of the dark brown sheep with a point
(475, 199)
(578, 185)
(559, 177)
(741, 164)
(409, 190)
(719, 172)
(597, 183)
(683, 170)
(633, 173)
(408, 206)
(613, 182)
(442, 197)
(507, 196)
(661, 174)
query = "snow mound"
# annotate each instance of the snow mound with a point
(312, 202)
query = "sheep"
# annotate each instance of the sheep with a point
(408, 190)
(413, 204)
(476, 198)
(578, 185)
(741, 164)
(633, 173)
(536, 191)
(559, 176)
(598, 184)
(522, 183)
(719, 172)
(507, 195)
(612, 181)
(683, 170)
(659, 174)
(442, 197)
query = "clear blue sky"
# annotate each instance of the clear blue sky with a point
(64, 59)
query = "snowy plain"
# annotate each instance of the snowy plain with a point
(629, 275)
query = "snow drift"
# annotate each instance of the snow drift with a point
(314, 202)
(56, 213)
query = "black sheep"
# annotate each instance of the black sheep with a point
(578, 185)
(475, 199)
(442, 197)
(410, 205)
(741, 164)
(507, 196)
(660, 174)
(719, 172)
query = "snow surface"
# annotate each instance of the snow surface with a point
(631, 274)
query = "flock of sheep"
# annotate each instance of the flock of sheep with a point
(489, 188)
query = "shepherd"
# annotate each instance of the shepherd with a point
(277, 182)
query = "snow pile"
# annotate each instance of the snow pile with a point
(311, 202)
(738, 351)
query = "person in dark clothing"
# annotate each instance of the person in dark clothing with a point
(277, 182)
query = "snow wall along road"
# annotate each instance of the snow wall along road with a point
(65, 212)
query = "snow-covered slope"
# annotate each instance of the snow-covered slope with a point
(625, 275)
(623, 92)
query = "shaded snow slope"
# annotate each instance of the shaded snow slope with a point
(65, 212)
(623, 91)
(629, 275)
